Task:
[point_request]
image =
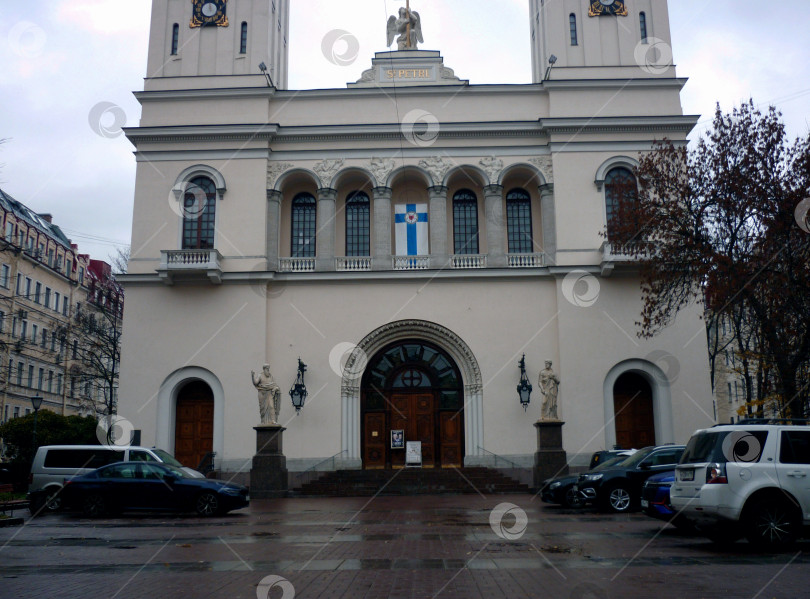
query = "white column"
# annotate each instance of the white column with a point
(496, 226)
(381, 251)
(326, 230)
(273, 224)
(437, 216)
(548, 216)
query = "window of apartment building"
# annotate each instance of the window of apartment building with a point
(38, 293)
(10, 369)
(730, 397)
(50, 381)
(50, 258)
(88, 389)
(53, 341)
(75, 353)
(24, 329)
(19, 289)
(2, 321)
(27, 411)
(9, 232)
(41, 378)
(5, 416)
(44, 342)
(73, 386)
(28, 287)
(5, 275)
(56, 300)
(34, 329)
(64, 306)
(47, 303)
(20, 367)
(58, 384)
(59, 262)
(16, 411)
(14, 326)
(81, 275)
(31, 376)
(68, 267)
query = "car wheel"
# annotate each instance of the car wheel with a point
(207, 504)
(53, 500)
(94, 505)
(572, 498)
(772, 524)
(618, 499)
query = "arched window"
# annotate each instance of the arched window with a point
(572, 20)
(519, 222)
(358, 227)
(465, 222)
(642, 19)
(303, 226)
(199, 214)
(620, 189)
(243, 40)
(175, 38)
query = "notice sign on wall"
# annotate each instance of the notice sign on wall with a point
(413, 453)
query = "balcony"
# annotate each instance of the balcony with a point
(296, 264)
(190, 266)
(465, 261)
(411, 262)
(526, 260)
(614, 254)
(353, 264)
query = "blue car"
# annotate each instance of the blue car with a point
(655, 500)
(136, 486)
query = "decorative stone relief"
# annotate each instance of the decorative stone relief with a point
(275, 170)
(327, 169)
(544, 165)
(437, 167)
(492, 167)
(448, 73)
(381, 168)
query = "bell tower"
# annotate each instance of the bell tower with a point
(198, 38)
(601, 39)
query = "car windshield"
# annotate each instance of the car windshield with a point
(167, 458)
(635, 459)
(611, 462)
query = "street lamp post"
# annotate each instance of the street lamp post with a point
(36, 402)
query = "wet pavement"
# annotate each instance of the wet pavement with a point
(461, 546)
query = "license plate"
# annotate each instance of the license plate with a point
(645, 503)
(687, 475)
(247, 497)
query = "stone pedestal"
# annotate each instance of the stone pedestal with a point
(550, 459)
(268, 475)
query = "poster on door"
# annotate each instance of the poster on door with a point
(398, 439)
(413, 453)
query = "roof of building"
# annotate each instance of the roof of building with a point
(24, 213)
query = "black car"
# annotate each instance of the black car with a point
(126, 486)
(618, 487)
(561, 489)
(600, 457)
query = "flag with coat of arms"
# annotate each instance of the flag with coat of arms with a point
(411, 227)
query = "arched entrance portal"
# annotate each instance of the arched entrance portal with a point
(414, 387)
(194, 423)
(633, 410)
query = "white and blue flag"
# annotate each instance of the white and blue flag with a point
(411, 226)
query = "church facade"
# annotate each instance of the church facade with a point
(410, 238)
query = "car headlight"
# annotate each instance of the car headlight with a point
(593, 477)
(555, 485)
(230, 491)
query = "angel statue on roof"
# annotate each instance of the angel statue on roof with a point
(409, 28)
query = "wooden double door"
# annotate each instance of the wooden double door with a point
(194, 424)
(633, 410)
(440, 432)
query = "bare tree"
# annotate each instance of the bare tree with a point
(120, 260)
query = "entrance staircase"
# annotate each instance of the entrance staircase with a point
(411, 481)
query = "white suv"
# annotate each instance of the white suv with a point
(747, 479)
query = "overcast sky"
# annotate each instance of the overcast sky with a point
(66, 61)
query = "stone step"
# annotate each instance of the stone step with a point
(411, 481)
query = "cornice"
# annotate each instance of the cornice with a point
(633, 124)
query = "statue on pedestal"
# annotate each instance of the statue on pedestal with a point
(549, 384)
(269, 395)
(409, 28)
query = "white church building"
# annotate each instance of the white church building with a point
(409, 237)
